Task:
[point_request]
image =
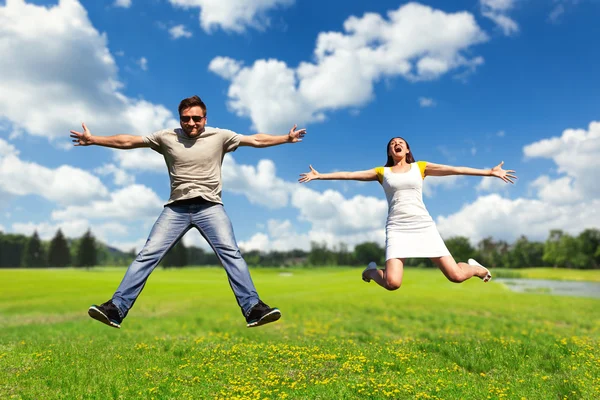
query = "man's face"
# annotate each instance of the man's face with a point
(192, 121)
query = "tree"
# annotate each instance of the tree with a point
(33, 253)
(320, 255)
(526, 254)
(343, 256)
(589, 243)
(11, 250)
(564, 251)
(460, 248)
(86, 252)
(197, 256)
(488, 252)
(176, 256)
(59, 255)
(253, 258)
(366, 252)
(551, 248)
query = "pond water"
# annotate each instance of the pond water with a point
(560, 288)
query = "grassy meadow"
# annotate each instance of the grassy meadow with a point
(339, 338)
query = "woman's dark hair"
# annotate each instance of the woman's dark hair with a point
(390, 161)
(192, 102)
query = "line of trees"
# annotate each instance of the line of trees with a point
(19, 251)
(559, 250)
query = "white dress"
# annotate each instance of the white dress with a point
(410, 230)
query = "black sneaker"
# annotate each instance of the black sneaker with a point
(106, 313)
(262, 314)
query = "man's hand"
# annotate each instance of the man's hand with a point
(296, 135)
(82, 139)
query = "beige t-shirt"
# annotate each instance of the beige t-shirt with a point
(194, 163)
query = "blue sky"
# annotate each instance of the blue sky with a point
(468, 83)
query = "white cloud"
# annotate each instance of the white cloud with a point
(279, 228)
(285, 238)
(448, 182)
(414, 41)
(507, 219)
(500, 134)
(556, 13)
(560, 8)
(495, 185)
(193, 238)
(72, 229)
(557, 191)
(233, 15)
(110, 233)
(7, 149)
(497, 11)
(448, 153)
(63, 185)
(258, 241)
(259, 184)
(576, 154)
(426, 102)
(331, 212)
(143, 159)
(267, 94)
(504, 22)
(110, 229)
(143, 63)
(281, 237)
(121, 177)
(85, 90)
(225, 67)
(129, 203)
(570, 202)
(123, 3)
(128, 246)
(179, 31)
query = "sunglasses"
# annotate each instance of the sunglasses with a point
(186, 118)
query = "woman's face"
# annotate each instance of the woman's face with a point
(398, 149)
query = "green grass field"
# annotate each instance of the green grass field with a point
(339, 338)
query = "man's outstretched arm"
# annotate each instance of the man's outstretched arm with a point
(86, 138)
(265, 140)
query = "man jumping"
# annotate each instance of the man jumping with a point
(193, 155)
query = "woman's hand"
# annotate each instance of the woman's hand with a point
(309, 176)
(506, 175)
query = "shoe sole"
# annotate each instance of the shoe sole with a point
(488, 277)
(364, 278)
(100, 316)
(273, 316)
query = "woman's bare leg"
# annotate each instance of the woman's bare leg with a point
(389, 278)
(458, 272)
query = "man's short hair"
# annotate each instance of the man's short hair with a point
(192, 102)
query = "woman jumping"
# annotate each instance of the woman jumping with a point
(410, 230)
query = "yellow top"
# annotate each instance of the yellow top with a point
(421, 164)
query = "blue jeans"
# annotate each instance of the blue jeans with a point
(174, 221)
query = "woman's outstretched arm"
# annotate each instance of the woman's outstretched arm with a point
(367, 175)
(507, 176)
